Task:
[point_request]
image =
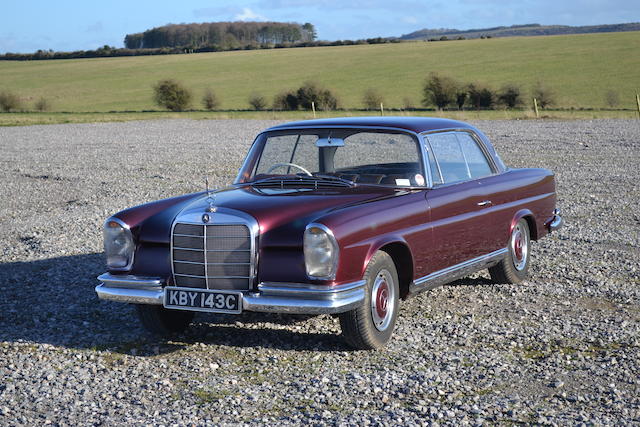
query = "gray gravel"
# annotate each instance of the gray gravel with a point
(561, 349)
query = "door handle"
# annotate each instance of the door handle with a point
(485, 203)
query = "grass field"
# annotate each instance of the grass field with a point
(33, 118)
(580, 68)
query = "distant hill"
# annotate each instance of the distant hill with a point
(518, 30)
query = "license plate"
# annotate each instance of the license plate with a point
(213, 301)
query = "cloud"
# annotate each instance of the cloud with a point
(249, 15)
(360, 5)
(215, 12)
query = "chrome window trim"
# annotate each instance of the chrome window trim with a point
(127, 229)
(423, 161)
(184, 217)
(327, 230)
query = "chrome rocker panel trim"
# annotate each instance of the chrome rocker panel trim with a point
(295, 298)
(442, 277)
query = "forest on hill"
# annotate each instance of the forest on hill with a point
(227, 35)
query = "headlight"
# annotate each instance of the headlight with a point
(320, 252)
(118, 245)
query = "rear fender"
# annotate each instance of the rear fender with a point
(528, 215)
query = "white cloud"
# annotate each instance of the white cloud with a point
(249, 15)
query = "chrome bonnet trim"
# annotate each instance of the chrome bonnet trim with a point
(446, 275)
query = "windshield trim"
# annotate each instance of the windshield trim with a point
(252, 158)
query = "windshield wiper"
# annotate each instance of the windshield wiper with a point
(334, 178)
(287, 180)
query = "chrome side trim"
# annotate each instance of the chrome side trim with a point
(457, 271)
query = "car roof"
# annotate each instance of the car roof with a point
(413, 124)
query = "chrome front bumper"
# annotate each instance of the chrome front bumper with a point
(298, 298)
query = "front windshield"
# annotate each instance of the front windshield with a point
(366, 157)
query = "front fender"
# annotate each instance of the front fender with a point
(382, 242)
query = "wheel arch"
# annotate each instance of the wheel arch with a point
(528, 216)
(400, 253)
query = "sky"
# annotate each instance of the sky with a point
(66, 25)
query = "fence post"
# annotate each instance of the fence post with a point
(638, 102)
(535, 107)
(381, 109)
(313, 107)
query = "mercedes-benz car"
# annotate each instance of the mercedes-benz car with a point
(345, 216)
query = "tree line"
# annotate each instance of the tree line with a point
(226, 34)
(111, 51)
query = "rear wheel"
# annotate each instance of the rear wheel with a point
(370, 326)
(160, 321)
(514, 268)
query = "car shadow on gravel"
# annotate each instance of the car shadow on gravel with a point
(52, 301)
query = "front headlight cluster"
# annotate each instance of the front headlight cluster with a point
(118, 245)
(320, 252)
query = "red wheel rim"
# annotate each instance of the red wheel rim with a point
(517, 246)
(382, 299)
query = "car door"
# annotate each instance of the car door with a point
(456, 204)
(496, 215)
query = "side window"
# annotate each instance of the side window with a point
(435, 172)
(476, 160)
(449, 156)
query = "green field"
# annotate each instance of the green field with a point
(580, 68)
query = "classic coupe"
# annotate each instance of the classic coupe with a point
(346, 216)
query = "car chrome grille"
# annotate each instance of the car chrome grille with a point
(226, 262)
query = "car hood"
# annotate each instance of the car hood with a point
(281, 213)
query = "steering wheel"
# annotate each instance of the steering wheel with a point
(279, 165)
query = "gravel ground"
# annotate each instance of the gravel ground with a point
(561, 348)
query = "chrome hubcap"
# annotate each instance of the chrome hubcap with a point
(382, 300)
(519, 247)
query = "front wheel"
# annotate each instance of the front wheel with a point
(514, 268)
(162, 322)
(370, 326)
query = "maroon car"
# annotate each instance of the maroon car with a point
(339, 216)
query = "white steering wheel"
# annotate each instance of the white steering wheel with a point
(279, 165)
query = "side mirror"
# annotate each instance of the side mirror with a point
(330, 142)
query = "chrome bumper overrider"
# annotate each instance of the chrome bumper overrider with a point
(297, 298)
(556, 222)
